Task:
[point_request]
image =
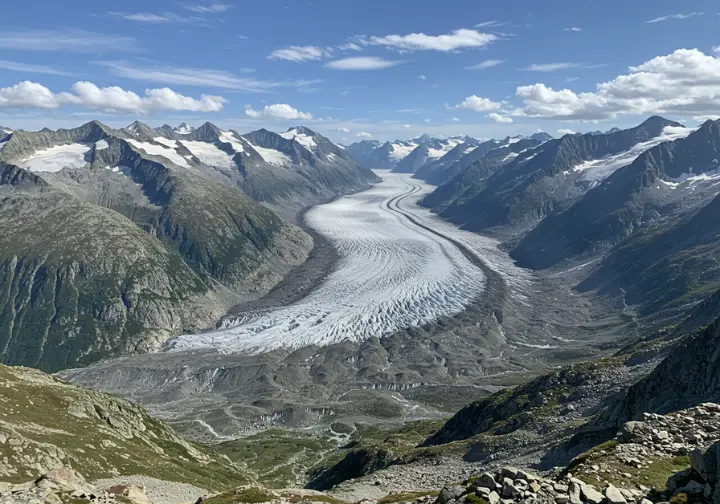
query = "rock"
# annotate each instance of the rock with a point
(134, 494)
(693, 487)
(509, 490)
(486, 480)
(614, 496)
(493, 497)
(646, 501)
(591, 495)
(679, 479)
(626, 432)
(509, 472)
(574, 493)
(562, 499)
(450, 493)
(66, 479)
(560, 488)
(524, 475)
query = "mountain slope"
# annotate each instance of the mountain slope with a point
(113, 242)
(669, 179)
(47, 424)
(434, 167)
(470, 180)
(427, 150)
(528, 189)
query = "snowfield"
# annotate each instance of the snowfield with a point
(305, 140)
(272, 156)
(56, 158)
(167, 151)
(393, 274)
(600, 169)
(401, 151)
(209, 154)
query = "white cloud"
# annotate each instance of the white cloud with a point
(716, 49)
(350, 46)
(277, 111)
(427, 121)
(490, 24)
(485, 64)
(674, 16)
(300, 53)
(549, 67)
(212, 8)
(410, 111)
(564, 131)
(494, 116)
(456, 119)
(683, 83)
(478, 104)
(109, 99)
(573, 29)
(458, 39)
(25, 67)
(145, 17)
(422, 77)
(572, 79)
(65, 40)
(407, 126)
(364, 134)
(362, 63)
(191, 77)
(344, 130)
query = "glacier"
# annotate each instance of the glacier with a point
(392, 274)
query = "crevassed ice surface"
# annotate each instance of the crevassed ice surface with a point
(392, 275)
(56, 158)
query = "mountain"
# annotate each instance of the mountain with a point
(431, 168)
(49, 424)
(533, 186)
(470, 177)
(362, 151)
(669, 180)
(113, 242)
(298, 164)
(183, 129)
(428, 149)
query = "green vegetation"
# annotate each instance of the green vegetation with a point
(405, 497)
(96, 434)
(474, 499)
(279, 458)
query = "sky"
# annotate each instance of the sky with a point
(356, 70)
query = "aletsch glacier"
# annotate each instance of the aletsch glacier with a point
(392, 275)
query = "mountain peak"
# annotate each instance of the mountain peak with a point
(183, 129)
(302, 130)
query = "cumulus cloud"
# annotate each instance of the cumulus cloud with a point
(300, 54)
(564, 131)
(277, 111)
(364, 134)
(108, 99)
(499, 118)
(486, 64)
(362, 63)
(674, 16)
(685, 82)
(478, 104)
(422, 77)
(716, 49)
(458, 39)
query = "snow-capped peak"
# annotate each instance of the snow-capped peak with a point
(184, 129)
(301, 135)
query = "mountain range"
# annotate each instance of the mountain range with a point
(115, 240)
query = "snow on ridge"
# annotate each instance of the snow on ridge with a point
(272, 156)
(597, 170)
(209, 154)
(101, 144)
(392, 275)
(305, 140)
(167, 152)
(401, 151)
(447, 147)
(690, 178)
(166, 142)
(54, 159)
(184, 129)
(229, 137)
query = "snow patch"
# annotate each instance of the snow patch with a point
(272, 156)
(599, 169)
(229, 137)
(447, 147)
(101, 144)
(691, 178)
(401, 151)
(304, 140)
(209, 154)
(183, 129)
(56, 158)
(160, 150)
(166, 141)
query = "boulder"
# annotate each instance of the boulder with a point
(450, 493)
(591, 495)
(485, 480)
(64, 479)
(614, 496)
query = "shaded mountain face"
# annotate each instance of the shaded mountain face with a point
(433, 167)
(531, 187)
(470, 180)
(362, 151)
(113, 242)
(667, 181)
(382, 156)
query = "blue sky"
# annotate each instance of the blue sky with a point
(354, 70)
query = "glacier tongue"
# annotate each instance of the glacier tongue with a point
(392, 275)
